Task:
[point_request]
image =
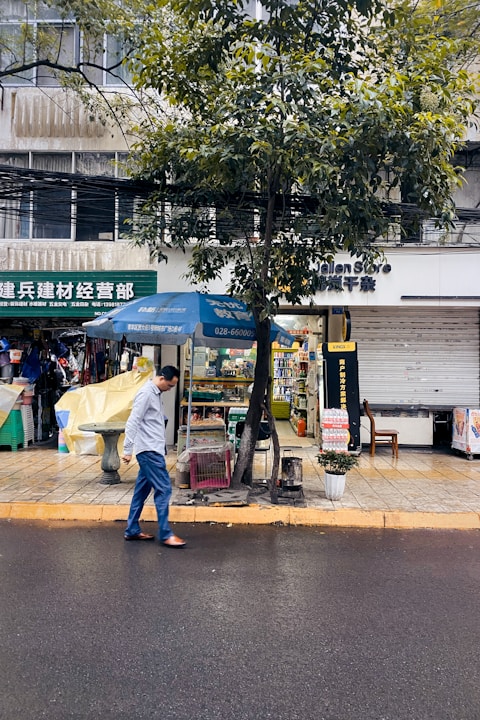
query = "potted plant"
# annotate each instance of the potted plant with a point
(336, 464)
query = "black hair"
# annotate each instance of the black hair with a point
(169, 372)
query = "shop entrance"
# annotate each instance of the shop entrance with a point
(51, 359)
(296, 373)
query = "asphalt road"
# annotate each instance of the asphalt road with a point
(246, 623)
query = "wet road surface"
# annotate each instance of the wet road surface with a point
(246, 623)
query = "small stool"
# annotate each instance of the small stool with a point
(11, 432)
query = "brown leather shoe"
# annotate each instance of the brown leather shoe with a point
(174, 542)
(139, 536)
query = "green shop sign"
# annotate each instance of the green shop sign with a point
(71, 294)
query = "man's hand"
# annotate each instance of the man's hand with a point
(126, 458)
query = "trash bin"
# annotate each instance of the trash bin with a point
(292, 473)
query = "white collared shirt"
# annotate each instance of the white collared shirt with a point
(145, 428)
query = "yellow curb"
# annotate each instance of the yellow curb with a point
(5, 509)
(46, 511)
(343, 517)
(113, 513)
(353, 517)
(182, 513)
(432, 520)
(248, 515)
(149, 514)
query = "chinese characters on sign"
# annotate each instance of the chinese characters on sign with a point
(71, 293)
(341, 384)
(342, 376)
(339, 276)
(85, 293)
(229, 310)
(338, 282)
(153, 328)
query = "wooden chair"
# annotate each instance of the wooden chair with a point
(378, 437)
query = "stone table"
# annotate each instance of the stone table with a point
(110, 432)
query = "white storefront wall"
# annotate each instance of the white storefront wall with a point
(416, 277)
(415, 318)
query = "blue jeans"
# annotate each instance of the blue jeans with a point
(152, 474)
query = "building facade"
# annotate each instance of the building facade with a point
(414, 316)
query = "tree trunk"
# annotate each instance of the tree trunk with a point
(259, 399)
(243, 472)
(273, 480)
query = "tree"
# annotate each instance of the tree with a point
(63, 41)
(32, 36)
(298, 124)
(455, 18)
(276, 141)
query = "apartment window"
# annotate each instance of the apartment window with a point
(127, 205)
(95, 205)
(30, 30)
(15, 201)
(56, 205)
(127, 202)
(95, 214)
(15, 50)
(52, 204)
(115, 52)
(63, 49)
(95, 163)
(92, 50)
(109, 54)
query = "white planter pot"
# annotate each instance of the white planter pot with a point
(334, 486)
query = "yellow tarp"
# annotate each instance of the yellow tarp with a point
(8, 397)
(109, 401)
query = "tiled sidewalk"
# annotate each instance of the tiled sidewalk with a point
(423, 488)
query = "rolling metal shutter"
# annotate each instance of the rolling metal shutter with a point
(418, 356)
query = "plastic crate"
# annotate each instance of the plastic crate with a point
(210, 467)
(11, 432)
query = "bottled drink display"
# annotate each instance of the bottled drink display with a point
(335, 429)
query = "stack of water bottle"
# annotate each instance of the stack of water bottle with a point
(335, 433)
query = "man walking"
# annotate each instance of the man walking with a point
(145, 430)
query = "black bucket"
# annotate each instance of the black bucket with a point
(292, 473)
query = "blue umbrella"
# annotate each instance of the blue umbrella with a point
(173, 318)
